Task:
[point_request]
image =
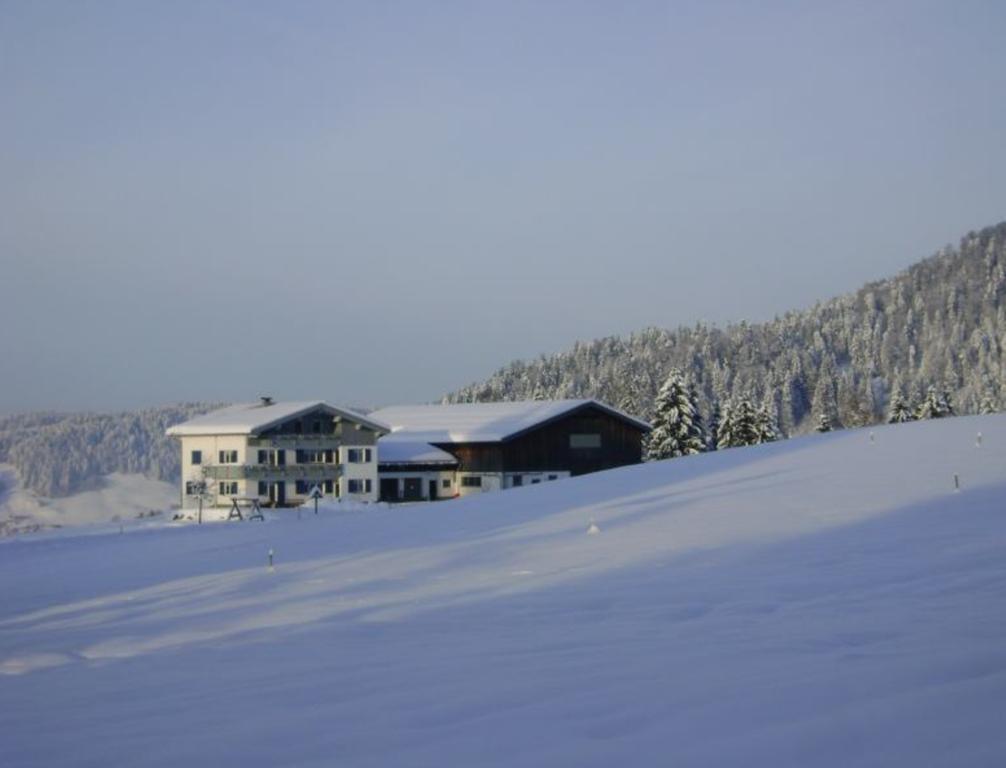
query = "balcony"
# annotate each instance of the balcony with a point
(270, 472)
(323, 441)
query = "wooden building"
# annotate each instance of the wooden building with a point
(500, 445)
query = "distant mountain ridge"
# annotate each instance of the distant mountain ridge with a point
(940, 323)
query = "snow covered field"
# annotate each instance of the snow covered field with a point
(119, 497)
(824, 601)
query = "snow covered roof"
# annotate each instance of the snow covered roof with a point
(401, 451)
(252, 418)
(481, 422)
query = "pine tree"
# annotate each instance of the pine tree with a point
(947, 402)
(765, 426)
(899, 411)
(677, 427)
(988, 404)
(714, 427)
(698, 423)
(933, 406)
(739, 426)
(823, 423)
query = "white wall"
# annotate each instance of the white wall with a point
(364, 471)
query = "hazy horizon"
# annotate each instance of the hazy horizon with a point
(373, 204)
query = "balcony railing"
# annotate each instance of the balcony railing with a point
(306, 441)
(267, 471)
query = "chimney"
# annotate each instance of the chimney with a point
(266, 400)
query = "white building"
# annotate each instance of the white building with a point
(277, 453)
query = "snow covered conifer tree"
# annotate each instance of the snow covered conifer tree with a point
(765, 425)
(698, 423)
(899, 411)
(715, 419)
(947, 402)
(988, 404)
(677, 428)
(932, 406)
(739, 426)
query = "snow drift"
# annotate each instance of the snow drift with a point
(832, 600)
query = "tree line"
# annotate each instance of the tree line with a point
(926, 339)
(56, 454)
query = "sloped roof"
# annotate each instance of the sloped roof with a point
(252, 418)
(482, 422)
(400, 451)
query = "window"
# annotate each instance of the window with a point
(357, 455)
(518, 480)
(263, 488)
(305, 456)
(228, 488)
(316, 427)
(303, 487)
(228, 457)
(592, 440)
(445, 483)
(368, 455)
(197, 457)
(194, 487)
(360, 486)
(329, 487)
(536, 481)
(553, 477)
(471, 481)
(263, 457)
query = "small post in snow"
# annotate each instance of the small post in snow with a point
(271, 567)
(871, 437)
(957, 483)
(316, 494)
(978, 440)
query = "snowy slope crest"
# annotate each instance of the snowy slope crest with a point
(834, 600)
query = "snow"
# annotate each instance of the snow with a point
(478, 422)
(251, 418)
(399, 451)
(822, 601)
(118, 497)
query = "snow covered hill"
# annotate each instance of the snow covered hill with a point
(824, 601)
(116, 497)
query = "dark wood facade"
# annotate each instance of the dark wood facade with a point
(584, 440)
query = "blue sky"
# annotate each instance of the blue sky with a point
(378, 202)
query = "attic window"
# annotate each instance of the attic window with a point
(591, 440)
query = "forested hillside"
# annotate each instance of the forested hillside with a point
(57, 454)
(938, 324)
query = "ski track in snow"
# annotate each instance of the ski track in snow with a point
(822, 601)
